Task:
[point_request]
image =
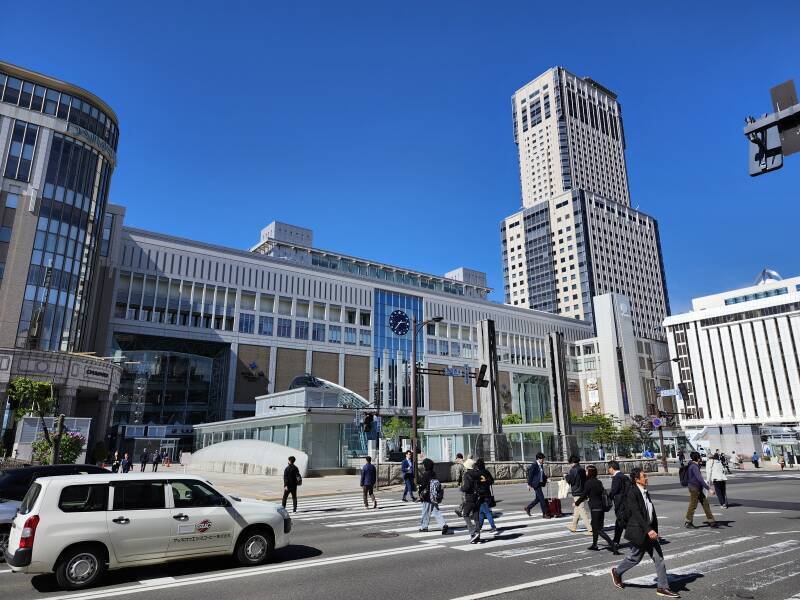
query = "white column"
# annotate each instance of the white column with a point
(273, 361)
(742, 373)
(777, 367)
(752, 361)
(730, 368)
(770, 393)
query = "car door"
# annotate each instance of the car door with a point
(203, 519)
(139, 522)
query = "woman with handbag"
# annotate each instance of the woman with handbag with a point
(485, 495)
(599, 505)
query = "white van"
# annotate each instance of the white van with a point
(78, 526)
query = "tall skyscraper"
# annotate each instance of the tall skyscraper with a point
(576, 235)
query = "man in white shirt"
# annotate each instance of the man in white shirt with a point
(642, 532)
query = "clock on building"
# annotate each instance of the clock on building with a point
(399, 322)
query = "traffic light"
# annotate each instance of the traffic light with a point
(480, 378)
(367, 424)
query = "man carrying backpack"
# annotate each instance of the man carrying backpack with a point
(620, 484)
(471, 507)
(431, 494)
(576, 478)
(692, 478)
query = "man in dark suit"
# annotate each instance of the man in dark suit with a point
(642, 532)
(620, 484)
(536, 481)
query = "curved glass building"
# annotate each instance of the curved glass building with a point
(58, 150)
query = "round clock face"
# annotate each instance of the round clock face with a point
(399, 323)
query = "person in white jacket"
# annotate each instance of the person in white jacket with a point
(715, 474)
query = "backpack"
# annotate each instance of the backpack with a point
(683, 475)
(436, 491)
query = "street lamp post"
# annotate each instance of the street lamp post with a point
(653, 367)
(415, 328)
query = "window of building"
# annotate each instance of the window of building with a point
(284, 328)
(20, 153)
(5, 234)
(12, 200)
(266, 303)
(265, 325)
(334, 313)
(350, 316)
(284, 307)
(318, 332)
(335, 334)
(247, 301)
(247, 323)
(350, 335)
(105, 238)
(364, 318)
(302, 309)
(301, 330)
(365, 337)
(444, 348)
(431, 346)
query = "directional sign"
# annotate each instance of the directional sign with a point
(657, 422)
(668, 392)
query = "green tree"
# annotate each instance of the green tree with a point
(71, 447)
(395, 428)
(642, 430)
(32, 397)
(512, 419)
(100, 452)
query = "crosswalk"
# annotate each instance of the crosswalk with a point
(402, 518)
(756, 561)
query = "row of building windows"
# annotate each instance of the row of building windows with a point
(751, 314)
(36, 97)
(758, 295)
(21, 151)
(280, 327)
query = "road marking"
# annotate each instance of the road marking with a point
(157, 581)
(443, 539)
(782, 532)
(416, 515)
(723, 562)
(521, 586)
(768, 576)
(5, 571)
(240, 573)
(706, 548)
(363, 512)
(538, 549)
(763, 512)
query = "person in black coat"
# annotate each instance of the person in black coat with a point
(642, 532)
(144, 457)
(368, 478)
(593, 491)
(537, 479)
(291, 479)
(619, 487)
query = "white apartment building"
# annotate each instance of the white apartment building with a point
(739, 356)
(569, 134)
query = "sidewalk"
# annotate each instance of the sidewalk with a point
(268, 487)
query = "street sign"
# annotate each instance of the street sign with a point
(466, 374)
(657, 422)
(668, 392)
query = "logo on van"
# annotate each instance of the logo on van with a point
(203, 526)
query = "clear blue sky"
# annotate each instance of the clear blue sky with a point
(386, 126)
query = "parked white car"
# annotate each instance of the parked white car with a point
(79, 526)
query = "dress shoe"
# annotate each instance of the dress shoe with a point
(593, 547)
(527, 511)
(667, 593)
(617, 579)
(689, 525)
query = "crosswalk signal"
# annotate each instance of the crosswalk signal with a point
(367, 424)
(480, 378)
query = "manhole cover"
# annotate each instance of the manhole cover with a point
(380, 534)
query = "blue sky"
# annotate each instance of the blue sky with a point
(386, 127)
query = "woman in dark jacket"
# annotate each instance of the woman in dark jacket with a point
(594, 491)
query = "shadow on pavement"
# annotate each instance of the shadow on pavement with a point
(203, 566)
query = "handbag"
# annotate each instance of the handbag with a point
(490, 501)
(563, 488)
(299, 480)
(607, 503)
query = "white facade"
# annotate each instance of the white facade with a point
(738, 356)
(568, 132)
(560, 253)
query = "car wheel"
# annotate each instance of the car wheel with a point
(80, 567)
(254, 547)
(5, 530)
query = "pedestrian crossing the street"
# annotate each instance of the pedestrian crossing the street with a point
(549, 544)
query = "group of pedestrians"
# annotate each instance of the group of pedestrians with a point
(125, 463)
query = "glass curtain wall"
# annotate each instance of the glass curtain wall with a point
(531, 398)
(393, 352)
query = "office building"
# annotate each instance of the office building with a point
(576, 235)
(58, 151)
(569, 135)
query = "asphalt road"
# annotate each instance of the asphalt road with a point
(341, 551)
